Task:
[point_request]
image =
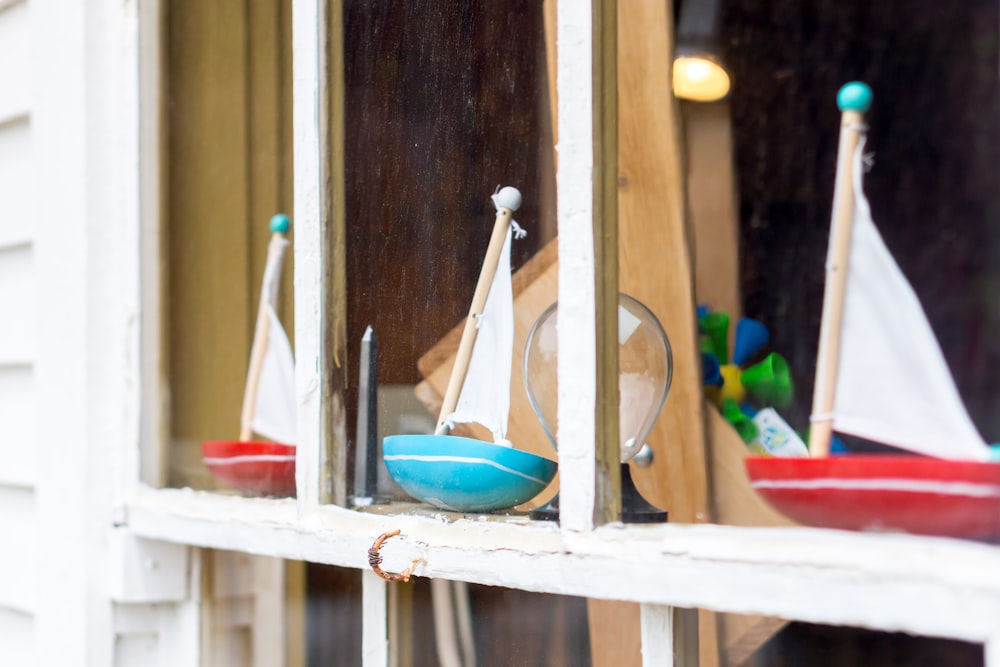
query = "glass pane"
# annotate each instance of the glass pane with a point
(226, 165)
(445, 101)
(932, 193)
(932, 187)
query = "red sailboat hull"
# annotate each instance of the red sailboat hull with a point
(261, 468)
(911, 494)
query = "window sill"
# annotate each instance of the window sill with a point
(880, 581)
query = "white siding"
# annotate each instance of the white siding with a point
(14, 63)
(137, 650)
(15, 179)
(17, 433)
(17, 331)
(17, 306)
(16, 638)
(17, 557)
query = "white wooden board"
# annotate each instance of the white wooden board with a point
(879, 581)
(17, 306)
(140, 649)
(14, 62)
(15, 180)
(18, 553)
(17, 415)
(17, 638)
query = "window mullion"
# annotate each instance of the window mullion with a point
(586, 184)
(309, 255)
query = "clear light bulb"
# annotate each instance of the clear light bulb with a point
(645, 368)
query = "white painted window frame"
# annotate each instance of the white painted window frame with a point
(927, 586)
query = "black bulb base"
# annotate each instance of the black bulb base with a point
(635, 508)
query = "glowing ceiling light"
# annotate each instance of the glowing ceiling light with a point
(698, 71)
(700, 79)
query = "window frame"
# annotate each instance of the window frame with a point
(885, 582)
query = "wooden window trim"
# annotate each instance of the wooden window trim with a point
(794, 573)
(819, 576)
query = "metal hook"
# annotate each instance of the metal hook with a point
(375, 559)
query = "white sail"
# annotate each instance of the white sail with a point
(274, 413)
(274, 403)
(893, 383)
(485, 396)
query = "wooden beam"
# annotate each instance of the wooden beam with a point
(657, 266)
(655, 252)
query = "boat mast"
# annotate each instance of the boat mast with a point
(853, 99)
(279, 227)
(507, 201)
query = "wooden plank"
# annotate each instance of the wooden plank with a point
(17, 303)
(713, 208)
(15, 69)
(295, 613)
(18, 446)
(17, 638)
(653, 233)
(18, 556)
(714, 214)
(655, 252)
(610, 646)
(16, 221)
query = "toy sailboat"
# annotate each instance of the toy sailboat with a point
(264, 467)
(464, 474)
(881, 376)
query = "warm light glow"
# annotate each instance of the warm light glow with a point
(699, 79)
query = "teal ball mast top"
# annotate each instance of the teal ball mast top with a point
(280, 224)
(854, 96)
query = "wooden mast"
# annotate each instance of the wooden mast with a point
(279, 226)
(507, 200)
(854, 99)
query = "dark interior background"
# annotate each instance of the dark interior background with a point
(442, 107)
(934, 192)
(934, 189)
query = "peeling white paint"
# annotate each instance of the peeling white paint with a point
(307, 219)
(880, 581)
(577, 318)
(657, 631)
